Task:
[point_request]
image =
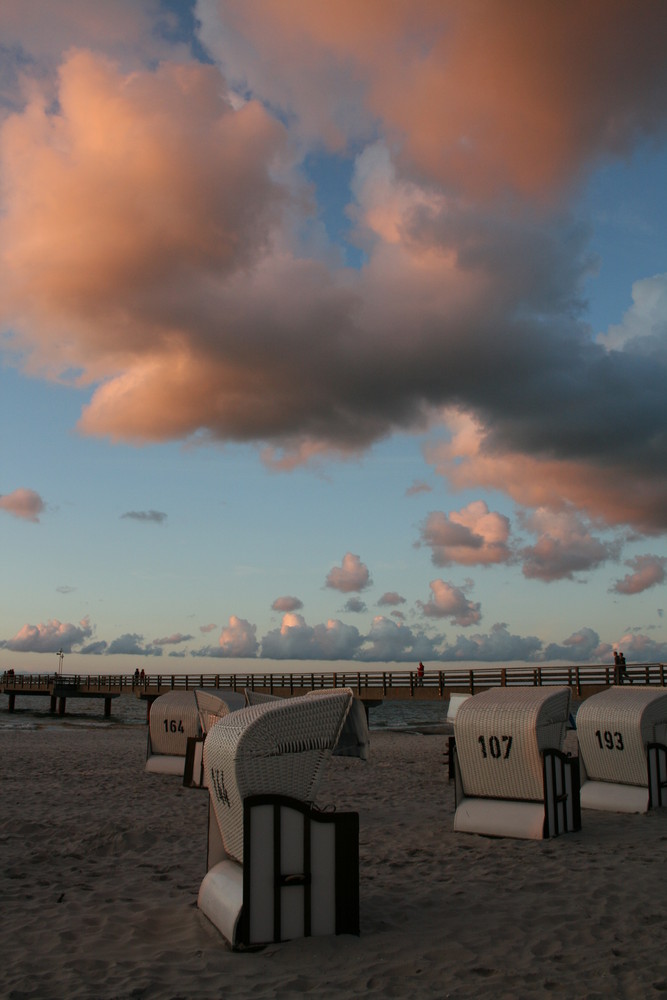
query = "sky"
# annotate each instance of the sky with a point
(332, 334)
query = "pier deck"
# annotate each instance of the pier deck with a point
(371, 686)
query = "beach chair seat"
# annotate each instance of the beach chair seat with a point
(512, 777)
(173, 719)
(622, 736)
(277, 868)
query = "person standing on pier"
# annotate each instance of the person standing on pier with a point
(420, 674)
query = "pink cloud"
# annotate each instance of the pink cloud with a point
(617, 492)
(565, 546)
(391, 598)
(471, 536)
(287, 604)
(351, 575)
(50, 637)
(143, 187)
(640, 648)
(448, 601)
(648, 571)
(487, 96)
(238, 638)
(23, 503)
(152, 239)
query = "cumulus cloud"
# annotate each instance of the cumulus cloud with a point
(297, 640)
(172, 640)
(471, 536)
(644, 326)
(156, 516)
(647, 571)
(448, 601)
(390, 599)
(355, 605)
(388, 641)
(583, 646)
(132, 644)
(283, 604)
(419, 486)
(497, 645)
(642, 649)
(351, 575)
(23, 503)
(236, 639)
(95, 648)
(50, 637)
(565, 546)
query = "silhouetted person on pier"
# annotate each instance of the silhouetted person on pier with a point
(619, 669)
(622, 671)
(420, 674)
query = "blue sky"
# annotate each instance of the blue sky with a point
(285, 381)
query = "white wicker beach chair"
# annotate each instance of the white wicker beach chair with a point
(622, 735)
(277, 868)
(512, 778)
(173, 719)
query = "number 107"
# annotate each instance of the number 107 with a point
(495, 746)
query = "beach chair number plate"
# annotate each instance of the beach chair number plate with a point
(609, 740)
(172, 726)
(496, 747)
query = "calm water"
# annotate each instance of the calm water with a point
(33, 713)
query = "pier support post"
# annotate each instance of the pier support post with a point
(53, 703)
(12, 701)
(107, 708)
(61, 706)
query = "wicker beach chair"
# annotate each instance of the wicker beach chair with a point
(173, 719)
(622, 735)
(278, 868)
(512, 777)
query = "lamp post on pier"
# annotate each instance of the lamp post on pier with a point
(60, 662)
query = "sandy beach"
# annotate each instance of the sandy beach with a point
(101, 865)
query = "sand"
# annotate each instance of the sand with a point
(101, 864)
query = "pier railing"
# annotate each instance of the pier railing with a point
(371, 684)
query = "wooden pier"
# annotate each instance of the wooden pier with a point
(58, 689)
(371, 686)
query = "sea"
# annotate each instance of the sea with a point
(32, 712)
